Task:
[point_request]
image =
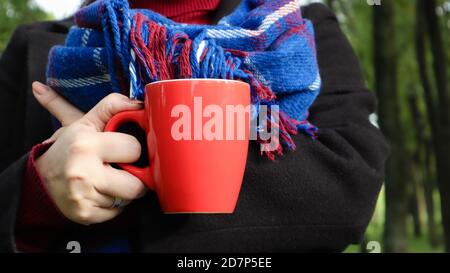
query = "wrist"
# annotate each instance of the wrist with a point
(41, 164)
(37, 212)
(41, 169)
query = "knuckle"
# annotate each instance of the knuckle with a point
(81, 144)
(85, 215)
(76, 200)
(112, 100)
(74, 174)
(114, 97)
(80, 211)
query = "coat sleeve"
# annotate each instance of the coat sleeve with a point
(12, 108)
(13, 78)
(10, 188)
(318, 198)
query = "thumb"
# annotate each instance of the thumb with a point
(108, 107)
(55, 104)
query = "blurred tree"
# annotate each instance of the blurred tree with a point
(397, 175)
(439, 106)
(14, 13)
(422, 165)
(428, 175)
(417, 106)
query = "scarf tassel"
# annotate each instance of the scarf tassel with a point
(153, 55)
(167, 56)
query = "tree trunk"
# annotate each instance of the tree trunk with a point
(428, 188)
(430, 100)
(428, 175)
(422, 157)
(418, 160)
(414, 207)
(385, 60)
(441, 133)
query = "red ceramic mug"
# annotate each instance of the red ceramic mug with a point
(197, 155)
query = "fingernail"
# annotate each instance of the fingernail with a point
(136, 101)
(39, 88)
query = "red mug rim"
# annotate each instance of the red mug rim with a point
(191, 80)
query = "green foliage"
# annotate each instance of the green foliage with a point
(355, 17)
(356, 21)
(416, 244)
(14, 13)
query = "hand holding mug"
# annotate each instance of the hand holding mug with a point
(197, 134)
(75, 169)
(189, 175)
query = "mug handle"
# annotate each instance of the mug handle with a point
(138, 117)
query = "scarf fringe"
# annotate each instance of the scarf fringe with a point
(167, 56)
(286, 128)
(164, 55)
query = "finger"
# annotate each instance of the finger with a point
(99, 215)
(55, 104)
(121, 184)
(118, 148)
(105, 201)
(109, 106)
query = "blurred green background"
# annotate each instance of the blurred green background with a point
(408, 216)
(15, 12)
(404, 49)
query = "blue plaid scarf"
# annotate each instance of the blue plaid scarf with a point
(265, 43)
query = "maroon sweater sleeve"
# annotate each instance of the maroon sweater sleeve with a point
(37, 213)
